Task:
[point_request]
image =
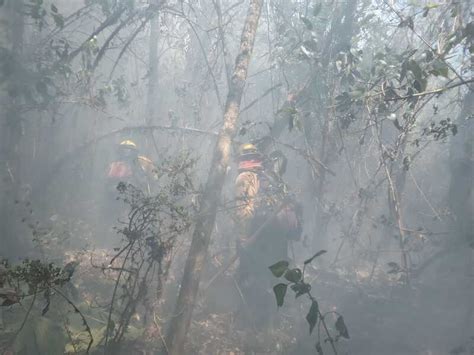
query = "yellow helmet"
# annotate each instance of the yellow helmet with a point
(128, 144)
(248, 148)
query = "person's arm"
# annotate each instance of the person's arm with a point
(246, 189)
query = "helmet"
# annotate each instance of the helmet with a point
(128, 150)
(249, 151)
(128, 144)
(249, 157)
(248, 148)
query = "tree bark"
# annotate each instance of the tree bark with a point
(153, 68)
(461, 166)
(11, 130)
(212, 192)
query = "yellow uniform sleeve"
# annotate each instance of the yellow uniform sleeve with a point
(246, 190)
(148, 167)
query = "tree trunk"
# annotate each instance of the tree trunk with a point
(152, 96)
(212, 192)
(11, 129)
(461, 165)
(461, 203)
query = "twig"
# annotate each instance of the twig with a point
(109, 318)
(308, 156)
(26, 317)
(163, 340)
(323, 322)
(424, 196)
(77, 310)
(268, 91)
(126, 45)
(430, 92)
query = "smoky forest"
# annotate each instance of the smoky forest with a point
(236, 177)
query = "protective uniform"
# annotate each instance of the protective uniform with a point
(260, 195)
(131, 167)
(259, 190)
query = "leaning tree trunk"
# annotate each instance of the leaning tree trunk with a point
(212, 192)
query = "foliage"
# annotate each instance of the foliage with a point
(154, 224)
(300, 287)
(32, 277)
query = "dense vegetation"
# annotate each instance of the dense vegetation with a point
(370, 100)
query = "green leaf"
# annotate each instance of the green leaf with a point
(54, 8)
(300, 288)
(47, 297)
(415, 68)
(341, 327)
(293, 275)
(403, 72)
(432, 6)
(58, 20)
(321, 252)
(280, 292)
(420, 85)
(279, 268)
(440, 68)
(312, 316)
(454, 129)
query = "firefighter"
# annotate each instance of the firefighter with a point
(266, 225)
(130, 167)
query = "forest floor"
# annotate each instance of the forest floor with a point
(384, 316)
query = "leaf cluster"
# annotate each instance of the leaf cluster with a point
(295, 280)
(31, 277)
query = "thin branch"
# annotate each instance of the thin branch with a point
(78, 311)
(209, 68)
(308, 156)
(109, 39)
(108, 22)
(114, 294)
(424, 196)
(26, 317)
(268, 91)
(127, 44)
(430, 92)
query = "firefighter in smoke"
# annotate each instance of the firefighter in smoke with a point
(130, 167)
(268, 219)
